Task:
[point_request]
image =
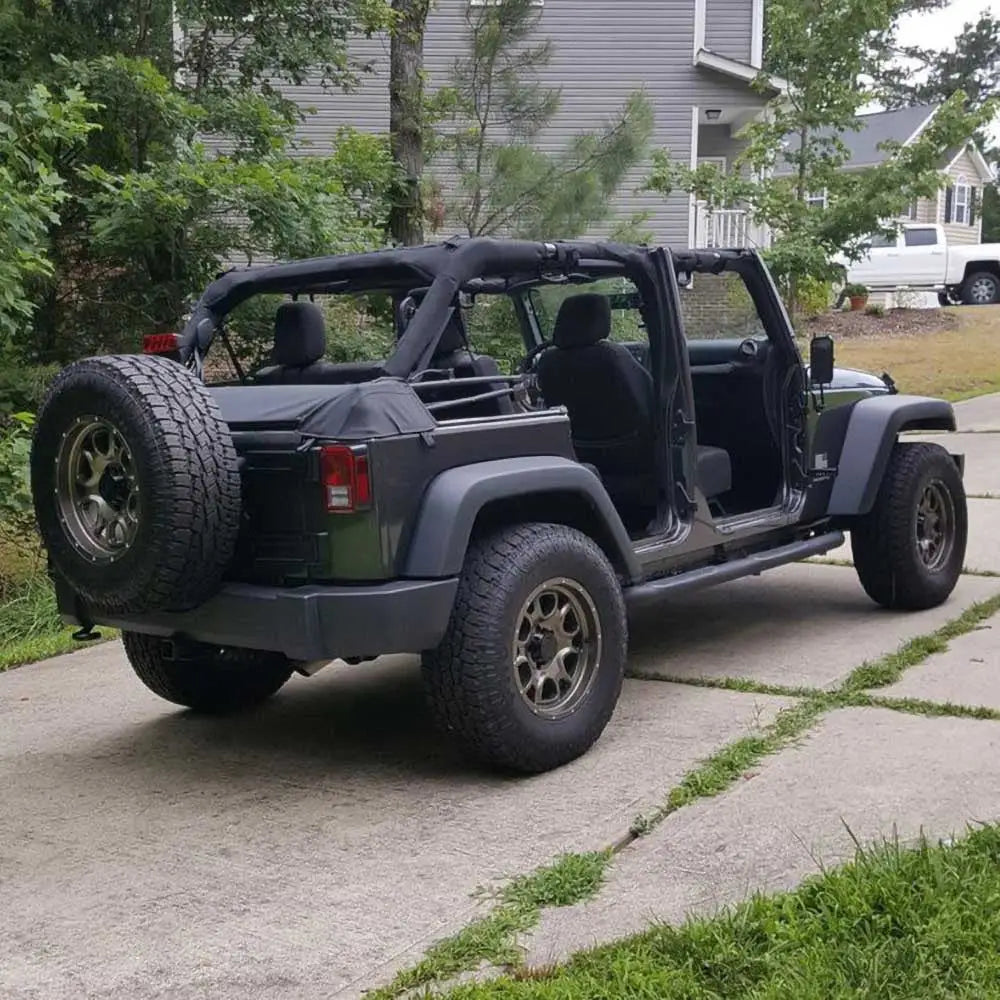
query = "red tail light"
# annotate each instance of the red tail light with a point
(346, 480)
(160, 343)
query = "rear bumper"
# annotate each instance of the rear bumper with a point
(304, 623)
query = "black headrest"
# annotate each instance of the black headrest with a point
(454, 337)
(583, 320)
(299, 334)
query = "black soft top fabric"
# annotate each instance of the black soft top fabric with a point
(379, 409)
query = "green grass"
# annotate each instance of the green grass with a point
(889, 669)
(896, 924)
(493, 939)
(19, 652)
(30, 628)
(716, 774)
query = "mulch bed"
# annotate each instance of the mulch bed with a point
(895, 323)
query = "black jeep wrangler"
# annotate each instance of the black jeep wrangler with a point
(498, 523)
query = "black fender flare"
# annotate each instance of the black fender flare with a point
(455, 498)
(871, 434)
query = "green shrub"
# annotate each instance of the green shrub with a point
(813, 297)
(23, 387)
(875, 309)
(17, 520)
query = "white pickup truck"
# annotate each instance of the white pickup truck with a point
(919, 257)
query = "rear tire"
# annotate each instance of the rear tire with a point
(531, 667)
(909, 551)
(207, 678)
(981, 289)
(136, 485)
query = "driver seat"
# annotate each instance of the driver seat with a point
(610, 399)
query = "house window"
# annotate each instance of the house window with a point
(962, 208)
(817, 200)
(913, 211)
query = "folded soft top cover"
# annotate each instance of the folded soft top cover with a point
(383, 408)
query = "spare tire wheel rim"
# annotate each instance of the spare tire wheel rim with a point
(97, 490)
(556, 648)
(935, 527)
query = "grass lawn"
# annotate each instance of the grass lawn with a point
(918, 924)
(960, 361)
(30, 628)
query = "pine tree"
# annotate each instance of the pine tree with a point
(488, 120)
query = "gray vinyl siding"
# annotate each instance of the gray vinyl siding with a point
(602, 52)
(729, 28)
(365, 108)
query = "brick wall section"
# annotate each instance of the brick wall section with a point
(718, 306)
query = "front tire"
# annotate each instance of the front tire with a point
(981, 289)
(206, 678)
(531, 667)
(909, 551)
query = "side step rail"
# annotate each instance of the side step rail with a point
(645, 594)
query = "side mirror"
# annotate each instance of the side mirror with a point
(821, 361)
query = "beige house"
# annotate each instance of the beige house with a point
(957, 204)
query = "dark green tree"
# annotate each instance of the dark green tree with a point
(971, 65)
(194, 159)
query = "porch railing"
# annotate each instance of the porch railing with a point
(728, 227)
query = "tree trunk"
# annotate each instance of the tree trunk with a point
(406, 114)
(801, 193)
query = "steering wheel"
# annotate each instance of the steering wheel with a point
(526, 366)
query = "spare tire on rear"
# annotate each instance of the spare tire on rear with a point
(136, 484)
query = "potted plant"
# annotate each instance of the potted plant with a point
(858, 294)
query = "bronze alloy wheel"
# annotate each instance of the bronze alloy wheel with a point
(97, 492)
(935, 525)
(557, 648)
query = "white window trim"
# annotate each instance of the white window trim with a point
(692, 200)
(961, 208)
(823, 200)
(700, 11)
(757, 35)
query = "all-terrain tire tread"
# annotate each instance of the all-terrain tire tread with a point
(465, 692)
(882, 542)
(226, 682)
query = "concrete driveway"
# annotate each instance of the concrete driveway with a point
(314, 846)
